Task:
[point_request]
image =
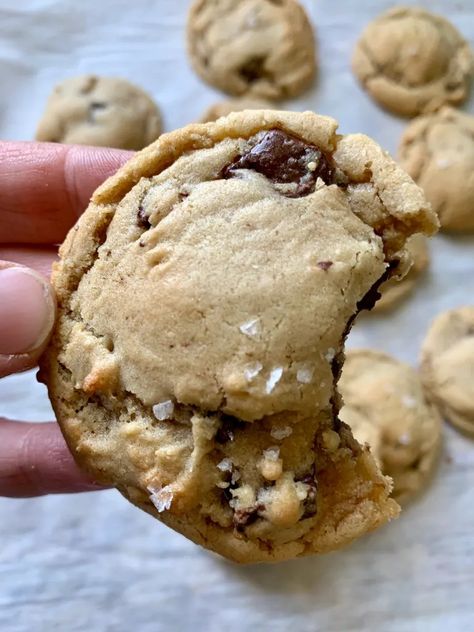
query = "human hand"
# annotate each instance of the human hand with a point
(43, 189)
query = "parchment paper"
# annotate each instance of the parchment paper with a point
(92, 561)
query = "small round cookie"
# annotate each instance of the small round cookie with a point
(394, 290)
(258, 48)
(101, 111)
(447, 366)
(406, 429)
(224, 108)
(411, 61)
(437, 150)
(239, 253)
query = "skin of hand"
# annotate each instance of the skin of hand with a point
(44, 187)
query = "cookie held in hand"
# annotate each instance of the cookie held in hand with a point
(204, 299)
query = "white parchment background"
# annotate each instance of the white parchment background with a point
(92, 561)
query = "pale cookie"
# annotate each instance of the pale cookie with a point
(102, 111)
(411, 61)
(447, 366)
(204, 298)
(260, 48)
(395, 290)
(224, 108)
(438, 152)
(386, 407)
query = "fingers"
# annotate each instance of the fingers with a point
(46, 186)
(27, 311)
(34, 460)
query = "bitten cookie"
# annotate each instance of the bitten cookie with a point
(258, 48)
(438, 152)
(224, 108)
(103, 111)
(204, 298)
(395, 290)
(447, 366)
(411, 61)
(386, 407)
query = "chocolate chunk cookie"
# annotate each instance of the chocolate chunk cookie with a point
(447, 366)
(411, 61)
(385, 406)
(204, 298)
(395, 290)
(258, 48)
(438, 152)
(223, 108)
(103, 111)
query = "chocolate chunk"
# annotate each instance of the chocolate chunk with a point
(142, 219)
(229, 425)
(285, 159)
(373, 295)
(324, 265)
(309, 503)
(245, 517)
(253, 69)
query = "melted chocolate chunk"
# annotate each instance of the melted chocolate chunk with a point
(253, 69)
(373, 295)
(142, 219)
(245, 517)
(310, 504)
(324, 265)
(226, 431)
(285, 159)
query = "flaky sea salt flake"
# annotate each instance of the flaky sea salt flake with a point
(250, 328)
(163, 410)
(161, 498)
(273, 379)
(280, 433)
(252, 371)
(304, 375)
(225, 465)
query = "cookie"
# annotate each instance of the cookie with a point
(204, 298)
(447, 366)
(224, 108)
(386, 407)
(437, 150)
(102, 111)
(395, 290)
(256, 48)
(411, 61)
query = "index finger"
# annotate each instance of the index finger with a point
(44, 187)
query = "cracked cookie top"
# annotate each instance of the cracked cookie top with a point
(204, 299)
(259, 48)
(103, 111)
(411, 61)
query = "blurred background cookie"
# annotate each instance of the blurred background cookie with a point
(411, 60)
(437, 150)
(252, 47)
(388, 395)
(223, 108)
(393, 291)
(103, 111)
(447, 366)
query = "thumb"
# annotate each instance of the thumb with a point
(27, 311)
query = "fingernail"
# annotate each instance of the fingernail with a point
(26, 310)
